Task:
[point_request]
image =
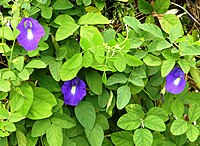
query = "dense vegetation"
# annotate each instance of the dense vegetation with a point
(99, 72)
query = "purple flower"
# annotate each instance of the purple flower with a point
(175, 81)
(73, 91)
(30, 33)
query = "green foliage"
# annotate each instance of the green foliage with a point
(123, 50)
(143, 137)
(85, 114)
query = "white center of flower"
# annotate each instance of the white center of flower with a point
(29, 34)
(176, 82)
(73, 90)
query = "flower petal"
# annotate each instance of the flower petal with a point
(175, 81)
(73, 97)
(35, 28)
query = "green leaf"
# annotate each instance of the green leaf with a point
(76, 131)
(122, 138)
(71, 67)
(42, 1)
(43, 95)
(39, 110)
(75, 61)
(176, 31)
(16, 117)
(132, 60)
(178, 127)
(152, 60)
(192, 132)
(159, 112)
(64, 31)
(40, 127)
(154, 123)
(93, 18)
(4, 114)
(190, 50)
(5, 86)
(31, 141)
(36, 64)
(136, 79)
(46, 12)
(61, 52)
(152, 29)
(10, 127)
(129, 121)
(96, 86)
(103, 98)
(24, 75)
(68, 74)
(87, 59)
(143, 137)
(99, 4)
(132, 22)
(95, 136)
(62, 5)
(21, 139)
(123, 96)
(136, 40)
(62, 120)
(48, 83)
(90, 37)
(7, 34)
(18, 63)
(54, 135)
(184, 64)
(85, 113)
(192, 98)
(63, 19)
(194, 112)
(168, 54)
(3, 95)
(87, 2)
(177, 108)
(144, 7)
(136, 109)
(67, 141)
(9, 75)
(168, 21)
(55, 68)
(80, 141)
(163, 44)
(161, 6)
(16, 99)
(27, 95)
(116, 78)
(166, 67)
(102, 121)
(67, 27)
(156, 80)
(108, 35)
(120, 63)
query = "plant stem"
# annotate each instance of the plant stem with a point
(11, 54)
(195, 75)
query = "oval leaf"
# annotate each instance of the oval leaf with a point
(85, 114)
(123, 96)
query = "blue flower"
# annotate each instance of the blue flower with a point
(73, 91)
(175, 81)
(30, 33)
